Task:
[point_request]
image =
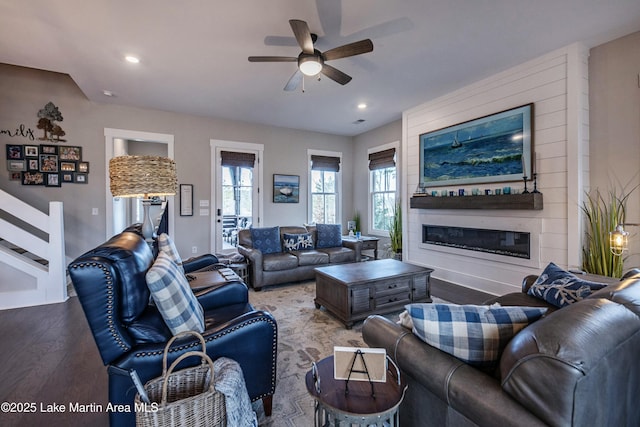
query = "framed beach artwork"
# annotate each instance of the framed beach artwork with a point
(286, 188)
(494, 148)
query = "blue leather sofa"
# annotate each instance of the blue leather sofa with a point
(131, 334)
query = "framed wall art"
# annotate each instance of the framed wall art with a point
(70, 153)
(186, 199)
(286, 188)
(32, 178)
(494, 148)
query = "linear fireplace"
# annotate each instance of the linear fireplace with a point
(500, 242)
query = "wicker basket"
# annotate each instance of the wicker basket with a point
(183, 398)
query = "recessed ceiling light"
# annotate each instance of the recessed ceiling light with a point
(132, 59)
(108, 93)
(362, 106)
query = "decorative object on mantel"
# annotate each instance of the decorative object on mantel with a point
(143, 176)
(494, 148)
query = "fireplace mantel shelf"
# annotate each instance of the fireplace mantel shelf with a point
(528, 201)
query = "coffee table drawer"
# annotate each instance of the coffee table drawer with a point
(393, 300)
(393, 286)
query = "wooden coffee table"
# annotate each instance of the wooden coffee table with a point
(352, 292)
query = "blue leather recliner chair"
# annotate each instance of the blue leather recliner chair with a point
(131, 334)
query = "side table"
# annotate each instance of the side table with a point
(358, 407)
(368, 243)
(242, 270)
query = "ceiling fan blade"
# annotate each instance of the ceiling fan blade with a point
(303, 35)
(335, 74)
(351, 49)
(294, 81)
(273, 59)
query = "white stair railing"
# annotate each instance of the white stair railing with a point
(50, 279)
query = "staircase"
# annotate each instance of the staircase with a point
(32, 257)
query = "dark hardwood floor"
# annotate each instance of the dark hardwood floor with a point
(48, 356)
(457, 294)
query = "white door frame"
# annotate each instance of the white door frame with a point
(218, 145)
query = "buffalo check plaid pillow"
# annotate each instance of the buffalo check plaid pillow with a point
(475, 334)
(176, 302)
(166, 245)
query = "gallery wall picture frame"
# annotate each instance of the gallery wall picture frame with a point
(66, 176)
(31, 150)
(80, 178)
(16, 165)
(83, 167)
(15, 152)
(286, 188)
(52, 180)
(33, 164)
(68, 166)
(48, 163)
(186, 199)
(32, 178)
(15, 176)
(69, 152)
(493, 148)
(48, 149)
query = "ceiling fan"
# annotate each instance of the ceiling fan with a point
(311, 61)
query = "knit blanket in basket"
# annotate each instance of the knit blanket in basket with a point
(229, 381)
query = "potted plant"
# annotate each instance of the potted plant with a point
(602, 217)
(395, 232)
(356, 219)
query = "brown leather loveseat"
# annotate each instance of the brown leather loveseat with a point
(576, 366)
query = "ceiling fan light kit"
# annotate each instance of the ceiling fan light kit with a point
(310, 65)
(311, 61)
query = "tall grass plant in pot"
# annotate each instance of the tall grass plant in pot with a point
(395, 231)
(602, 216)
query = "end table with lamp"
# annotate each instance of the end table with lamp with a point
(368, 243)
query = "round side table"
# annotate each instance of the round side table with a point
(358, 407)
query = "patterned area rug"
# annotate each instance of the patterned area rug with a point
(305, 335)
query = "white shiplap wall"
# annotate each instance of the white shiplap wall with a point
(557, 84)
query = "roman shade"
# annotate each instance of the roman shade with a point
(233, 158)
(382, 159)
(325, 163)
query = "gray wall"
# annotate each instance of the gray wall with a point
(24, 91)
(614, 95)
(389, 133)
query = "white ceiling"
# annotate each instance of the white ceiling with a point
(194, 52)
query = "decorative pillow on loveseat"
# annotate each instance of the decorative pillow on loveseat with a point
(297, 242)
(266, 239)
(176, 302)
(166, 245)
(329, 235)
(475, 334)
(560, 288)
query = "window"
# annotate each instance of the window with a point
(324, 188)
(382, 189)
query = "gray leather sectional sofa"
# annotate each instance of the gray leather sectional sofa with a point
(577, 366)
(291, 266)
